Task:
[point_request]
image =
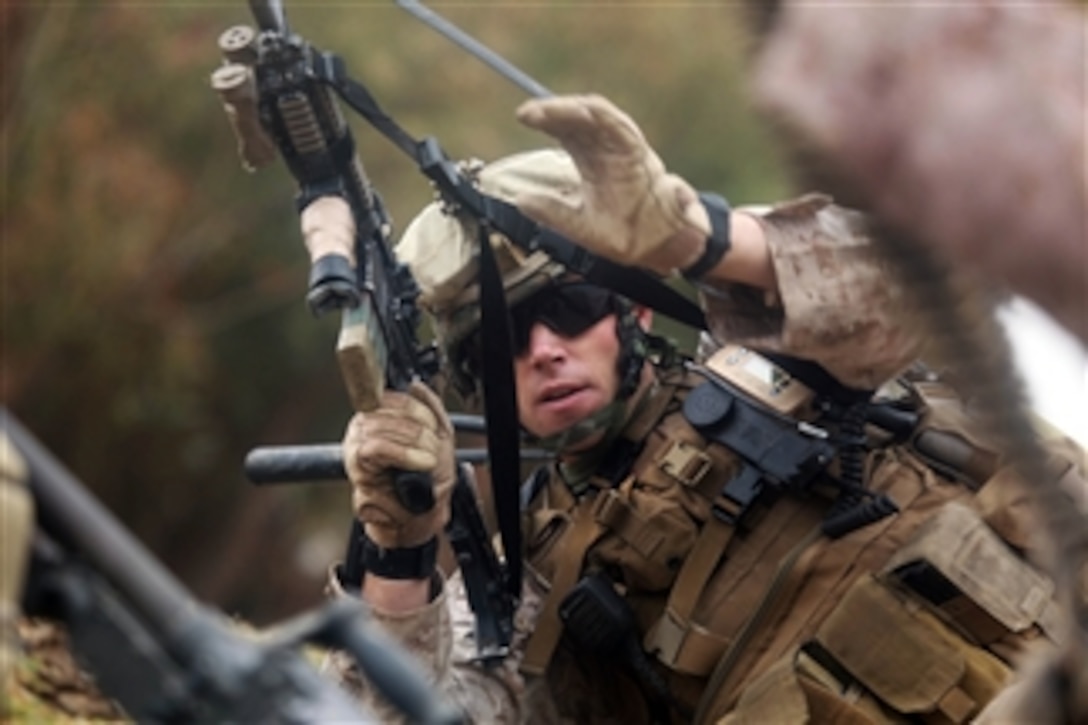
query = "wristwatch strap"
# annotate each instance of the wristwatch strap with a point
(718, 243)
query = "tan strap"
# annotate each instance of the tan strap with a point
(668, 635)
(579, 537)
(698, 566)
(724, 667)
(615, 513)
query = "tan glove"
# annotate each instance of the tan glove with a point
(630, 208)
(409, 432)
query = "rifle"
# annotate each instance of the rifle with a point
(277, 91)
(167, 658)
(275, 76)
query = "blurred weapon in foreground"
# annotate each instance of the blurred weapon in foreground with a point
(164, 656)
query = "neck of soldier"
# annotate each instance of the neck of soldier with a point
(592, 446)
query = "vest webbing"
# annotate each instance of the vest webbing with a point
(584, 530)
(728, 660)
(673, 634)
(581, 534)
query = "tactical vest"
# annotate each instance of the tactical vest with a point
(766, 618)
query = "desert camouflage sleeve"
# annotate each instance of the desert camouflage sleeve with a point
(837, 303)
(440, 637)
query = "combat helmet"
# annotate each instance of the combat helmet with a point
(441, 245)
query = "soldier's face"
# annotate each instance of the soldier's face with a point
(561, 380)
(566, 352)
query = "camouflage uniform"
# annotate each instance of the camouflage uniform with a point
(837, 307)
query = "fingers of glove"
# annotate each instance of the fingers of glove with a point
(390, 438)
(585, 122)
(426, 397)
(390, 526)
(394, 425)
(381, 453)
(605, 145)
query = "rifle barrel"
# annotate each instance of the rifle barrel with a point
(269, 15)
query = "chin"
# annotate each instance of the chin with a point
(585, 444)
(553, 421)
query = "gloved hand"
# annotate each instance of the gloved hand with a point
(411, 432)
(630, 208)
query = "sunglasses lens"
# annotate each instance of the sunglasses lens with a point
(568, 310)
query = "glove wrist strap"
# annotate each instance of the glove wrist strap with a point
(410, 562)
(718, 243)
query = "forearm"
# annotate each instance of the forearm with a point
(423, 632)
(441, 635)
(748, 260)
(832, 299)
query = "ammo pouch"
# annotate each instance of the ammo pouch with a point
(912, 638)
(972, 579)
(878, 657)
(878, 638)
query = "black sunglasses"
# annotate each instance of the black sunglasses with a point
(568, 309)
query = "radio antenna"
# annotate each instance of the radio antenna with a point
(497, 63)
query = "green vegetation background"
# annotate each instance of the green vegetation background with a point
(153, 319)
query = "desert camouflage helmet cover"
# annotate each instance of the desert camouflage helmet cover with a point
(442, 248)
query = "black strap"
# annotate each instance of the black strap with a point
(817, 378)
(501, 411)
(718, 242)
(363, 555)
(635, 284)
(412, 562)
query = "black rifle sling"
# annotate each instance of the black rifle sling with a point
(816, 378)
(500, 411)
(635, 284)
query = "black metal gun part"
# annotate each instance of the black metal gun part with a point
(163, 655)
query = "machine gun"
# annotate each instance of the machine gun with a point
(273, 88)
(277, 90)
(160, 653)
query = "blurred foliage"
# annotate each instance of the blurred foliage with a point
(154, 325)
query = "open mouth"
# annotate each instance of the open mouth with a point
(560, 392)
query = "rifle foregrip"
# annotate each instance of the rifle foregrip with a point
(290, 464)
(325, 462)
(237, 90)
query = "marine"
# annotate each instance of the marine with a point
(801, 524)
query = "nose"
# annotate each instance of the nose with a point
(545, 346)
